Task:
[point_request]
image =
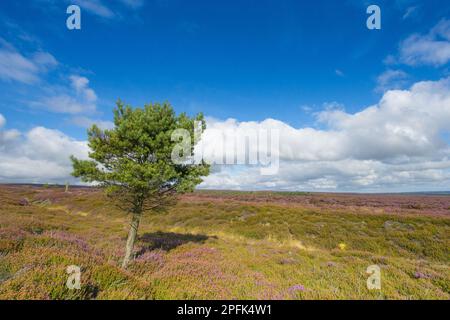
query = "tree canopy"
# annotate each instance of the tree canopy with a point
(133, 160)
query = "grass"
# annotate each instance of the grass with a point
(225, 245)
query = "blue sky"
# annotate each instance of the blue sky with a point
(246, 60)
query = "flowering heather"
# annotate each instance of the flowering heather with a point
(296, 288)
(73, 239)
(421, 275)
(225, 245)
(392, 203)
(155, 256)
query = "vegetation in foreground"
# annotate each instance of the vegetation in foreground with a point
(225, 245)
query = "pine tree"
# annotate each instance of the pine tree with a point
(132, 162)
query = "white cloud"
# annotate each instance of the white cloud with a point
(404, 124)
(78, 98)
(6, 136)
(343, 175)
(391, 79)
(103, 9)
(81, 85)
(47, 144)
(86, 122)
(39, 155)
(429, 49)
(394, 144)
(16, 67)
(442, 30)
(44, 60)
(96, 7)
(65, 104)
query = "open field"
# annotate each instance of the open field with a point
(225, 245)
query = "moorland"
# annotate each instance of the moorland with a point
(225, 245)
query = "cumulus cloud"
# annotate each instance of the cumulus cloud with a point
(81, 86)
(432, 48)
(396, 143)
(16, 67)
(344, 175)
(39, 155)
(404, 124)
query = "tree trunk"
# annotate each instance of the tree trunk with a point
(131, 238)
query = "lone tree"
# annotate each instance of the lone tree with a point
(133, 162)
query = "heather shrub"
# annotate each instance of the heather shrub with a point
(225, 245)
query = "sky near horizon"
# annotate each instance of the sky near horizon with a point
(357, 109)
